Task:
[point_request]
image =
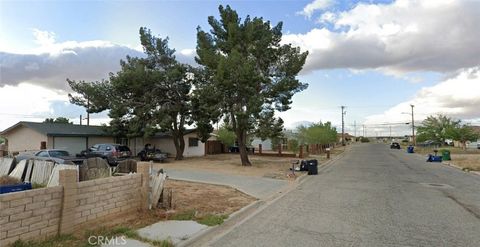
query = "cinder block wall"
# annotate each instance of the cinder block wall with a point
(105, 200)
(72, 206)
(30, 214)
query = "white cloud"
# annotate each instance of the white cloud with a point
(327, 17)
(51, 63)
(44, 38)
(316, 5)
(25, 101)
(401, 37)
(29, 102)
(458, 97)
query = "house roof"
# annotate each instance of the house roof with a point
(60, 129)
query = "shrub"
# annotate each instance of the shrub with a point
(364, 139)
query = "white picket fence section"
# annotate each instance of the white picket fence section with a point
(18, 170)
(5, 165)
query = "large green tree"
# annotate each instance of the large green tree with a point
(437, 128)
(317, 133)
(249, 73)
(93, 96)
(441, 127)
(463, 133)
(147, 94)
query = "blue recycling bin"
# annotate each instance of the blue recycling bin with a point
(14, 188)
(434, 158)
(410, 149)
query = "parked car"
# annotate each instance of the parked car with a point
(473, 145)
(57, 155)
(395, 145)
(112, 153)
(152, 153)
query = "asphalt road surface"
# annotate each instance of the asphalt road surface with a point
(373, 196)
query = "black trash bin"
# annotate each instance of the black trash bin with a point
(312, 167)
(303, 166)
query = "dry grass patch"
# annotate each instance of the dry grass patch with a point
(262, 166)
(466, 161)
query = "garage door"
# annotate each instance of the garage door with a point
(74, 145)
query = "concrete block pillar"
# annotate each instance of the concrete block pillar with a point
(144, 169)
(260, 148)
(68, 179)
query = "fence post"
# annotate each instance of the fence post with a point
(260, 148)
(280, 149)
(68, 179)
(300, 154)
(144, 169)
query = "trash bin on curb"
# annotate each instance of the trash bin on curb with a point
(312, 167)
(303, 166)
(446, 155)
(434, 158)
(410, 149)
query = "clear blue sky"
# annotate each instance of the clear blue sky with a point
(372, 64)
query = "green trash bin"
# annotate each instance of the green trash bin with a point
(446, 155)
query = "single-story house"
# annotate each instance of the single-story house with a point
(164, 142)
(28, 136)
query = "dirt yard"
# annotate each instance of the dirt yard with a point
(262, 166)
(201, 199)
(466, 159)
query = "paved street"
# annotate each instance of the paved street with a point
(257, 187)
(373, 196)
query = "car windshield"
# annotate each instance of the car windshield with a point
(58, 153)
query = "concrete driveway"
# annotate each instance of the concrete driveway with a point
(257, 187)
(373, 196)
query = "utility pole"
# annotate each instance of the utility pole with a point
(364, 130)
(80, 119)
(413, 128)
(88, 111)
(343, 125)
(390, 132)
(355, 128)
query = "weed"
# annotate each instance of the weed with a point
(212, 220)
(187, 215)
(60, 240)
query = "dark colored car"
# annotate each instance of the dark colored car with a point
(152, 153)
(395, 145)
(112, 153)
(56, 155)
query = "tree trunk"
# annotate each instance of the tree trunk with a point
(179, 146)
(242, 145)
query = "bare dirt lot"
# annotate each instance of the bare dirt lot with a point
(262, 166)
(466, 159)
(201, 199)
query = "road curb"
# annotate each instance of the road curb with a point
(247, 212)
(210, 230)
(460, 168)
